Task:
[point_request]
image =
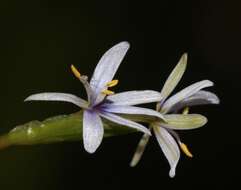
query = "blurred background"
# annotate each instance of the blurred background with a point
(39, 41)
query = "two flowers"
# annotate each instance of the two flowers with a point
(103, 103)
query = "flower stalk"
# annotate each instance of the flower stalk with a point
(59, 129)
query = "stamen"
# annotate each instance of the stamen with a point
(108, 92)
(185, 111)
(75, 72)
(108, 85)
(185, 149)
(112, 83)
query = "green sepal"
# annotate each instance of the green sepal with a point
(183, 122)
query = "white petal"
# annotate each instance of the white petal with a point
(140, 150)
(93, 131)
(200, 98)
(185, 93)
(135, 97)
(169, 148)
(174, 77)
(132, 110)
(55, 96)
(120, 120)
(107, 67)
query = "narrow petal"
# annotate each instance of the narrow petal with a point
(185, 93)
(55, 96)
(117, 119)
(135, 97)
(174, 77)
(200, 98)
(183, 122)
(93, 131)
(107, 67)
(131, 110)
(140, 150)
(169, 148)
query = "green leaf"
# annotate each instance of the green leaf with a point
(183, 122)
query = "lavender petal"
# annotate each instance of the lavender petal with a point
(107, 67)
(93, 131)
(55, 96)
(200, 98)
(169, 148)
(135, 97)
(185, 93)
(117, 119)
(131, 110)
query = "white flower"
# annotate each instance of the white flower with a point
(189, 96)
(104, 103)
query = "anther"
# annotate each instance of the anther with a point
(75, 72)
(107, 92)
(185, 149)
(112, 83)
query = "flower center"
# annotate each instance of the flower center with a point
(109, 85)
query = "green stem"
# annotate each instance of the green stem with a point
(61, 128)
(56, 129)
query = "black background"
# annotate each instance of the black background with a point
(40, 39)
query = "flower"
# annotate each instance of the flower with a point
(167, 138)
(102, 102)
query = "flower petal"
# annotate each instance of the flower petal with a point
(174, 77)
(140, 150)
(185, 93)
(107, 67)
(135, 97)
(93, 131)
(117, 119)
(55, 96)
(169, 148)
(183, 122)
(131, 110)
(200, 98)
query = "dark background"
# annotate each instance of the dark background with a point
(39, 41)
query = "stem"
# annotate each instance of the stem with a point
(4, 142)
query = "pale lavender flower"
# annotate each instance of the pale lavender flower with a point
(168, 139)
(103, 102)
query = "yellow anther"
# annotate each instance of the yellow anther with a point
(185, 150)
(112, 83)
(185, 111)
(107, 92)
(75, 72)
